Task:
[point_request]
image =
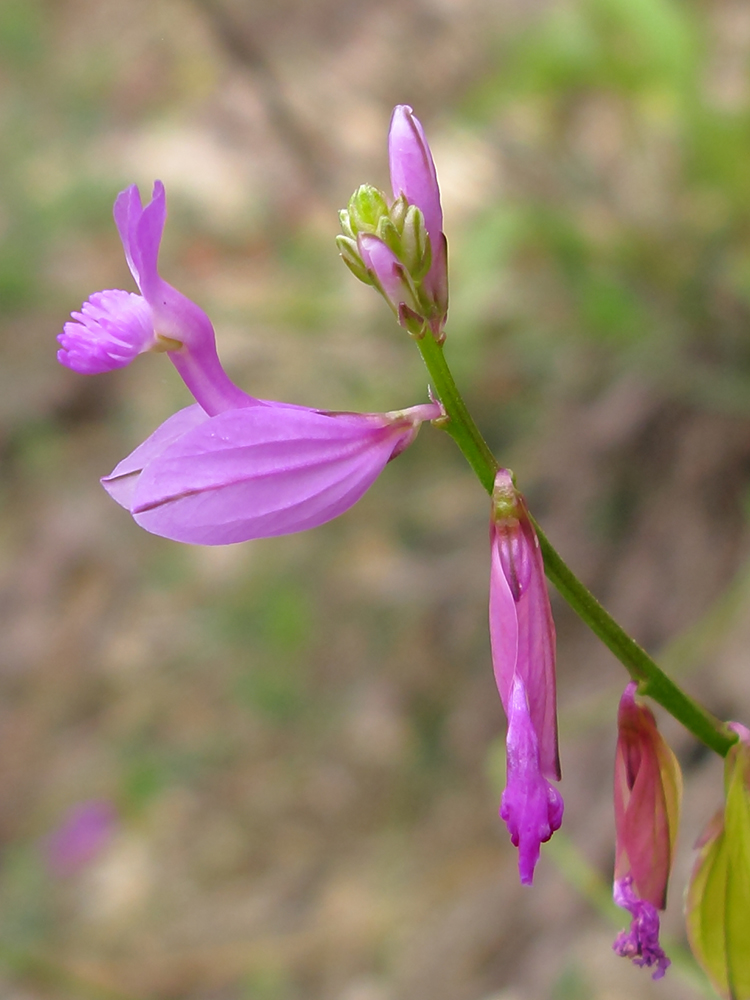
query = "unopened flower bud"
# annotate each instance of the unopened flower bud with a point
(647, 793)
(349, 252)
(522, 636)
(367, 206)
(717, 903)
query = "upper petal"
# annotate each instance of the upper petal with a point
(141, 231)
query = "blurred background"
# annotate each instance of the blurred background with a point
(271, 771)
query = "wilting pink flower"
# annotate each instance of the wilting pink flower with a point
(258, 471)
(84, 832)
(233, 467)
(522, 635)
(647, 792)
(413, 174)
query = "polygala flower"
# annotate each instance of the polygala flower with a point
(114, 326)
(400, 246)
(522, 636)
(647, 792)
(231, 467)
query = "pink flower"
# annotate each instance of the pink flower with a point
(647, 791)
(233, 467)
(522, 636)
(83, 834)
(114, 326)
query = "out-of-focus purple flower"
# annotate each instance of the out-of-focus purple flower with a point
(114, 326)
(647, 792)
(258, 471)
(522, 635)
(413, 175)
(84, 833)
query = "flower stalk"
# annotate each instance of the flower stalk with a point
(652, 681)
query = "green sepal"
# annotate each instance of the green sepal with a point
(388, 233)
(416, 250)
(398, 212)
(346, 224)
(367, 206)
(347, 247)
(717, 903)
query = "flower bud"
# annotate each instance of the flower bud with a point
(647, 793)
(717, 903)
(522, 636)
(410, 229)
(367, 206)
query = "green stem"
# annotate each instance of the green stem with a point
(652, 681)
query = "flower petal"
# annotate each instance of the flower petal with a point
(121, 482)
(262, 471)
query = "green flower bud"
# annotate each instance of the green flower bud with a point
(398, 212)
(346, 224)
(717, 903)
(367, 206)
(415, 244)
(350, 256)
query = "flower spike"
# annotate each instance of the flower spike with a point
(647, 792)
(400, 247)
(522, 636)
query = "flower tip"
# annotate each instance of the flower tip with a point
(641, 942)
(112, 327)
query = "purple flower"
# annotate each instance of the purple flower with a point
(259, 471)
(413, 175)
(647, 791)
(522, 635)
(84, 832)
(232, 467)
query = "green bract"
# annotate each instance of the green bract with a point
(718, 897)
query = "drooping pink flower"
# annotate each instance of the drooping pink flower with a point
(232, 467)
(522, 636)
(647, 791)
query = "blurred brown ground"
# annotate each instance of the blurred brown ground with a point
(301, 735)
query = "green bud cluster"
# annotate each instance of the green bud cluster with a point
(400, 226)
